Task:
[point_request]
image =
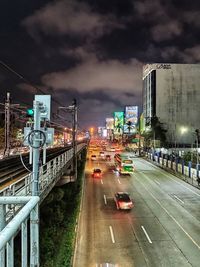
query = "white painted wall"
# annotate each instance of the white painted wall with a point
(178, 99)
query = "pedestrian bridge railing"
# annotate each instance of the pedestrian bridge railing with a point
(29, 210)
(49, 175)
(17, 206)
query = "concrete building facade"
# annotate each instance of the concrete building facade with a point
(172, 93)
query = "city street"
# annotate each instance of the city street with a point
(162, 229)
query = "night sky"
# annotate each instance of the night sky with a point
(92, 50)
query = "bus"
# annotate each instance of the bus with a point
(123, 164)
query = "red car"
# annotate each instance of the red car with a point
(123, 201)
(97, 173)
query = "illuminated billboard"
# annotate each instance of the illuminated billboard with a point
(118, 122)
(105, 133)
(131, 119)
(109, 123)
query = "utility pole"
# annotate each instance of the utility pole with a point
(7, 126)
(37, 138)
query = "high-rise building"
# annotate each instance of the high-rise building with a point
(172, 93)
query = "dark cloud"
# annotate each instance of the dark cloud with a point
(93, 50)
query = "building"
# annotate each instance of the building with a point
(172, 93)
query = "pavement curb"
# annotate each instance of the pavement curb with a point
(78, 217)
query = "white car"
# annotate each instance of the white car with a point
(93, 157)
(101, 154)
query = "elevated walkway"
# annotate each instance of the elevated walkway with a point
(17, 206)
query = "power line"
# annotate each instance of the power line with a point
(26, 80)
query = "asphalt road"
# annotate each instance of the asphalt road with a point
(163, 228)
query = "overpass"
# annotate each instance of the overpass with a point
(17, 206)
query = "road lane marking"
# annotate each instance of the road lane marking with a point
(171, 216)
(157, 182)
(105, 200)
(172, 178)
(179, 199)
(168, 176)
(111, 233)
(101, 181)
(118, 181)
(147, 236)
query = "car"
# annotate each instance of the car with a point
(97, 173)
(108, 157)
(123, 201)
(93, 157)
(101, 154)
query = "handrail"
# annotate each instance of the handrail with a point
(12, 227)
(53, 168)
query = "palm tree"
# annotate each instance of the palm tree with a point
(129, 123)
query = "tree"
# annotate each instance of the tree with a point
(129, 123)
(156, 132)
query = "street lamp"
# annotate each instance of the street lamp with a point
(184, 130)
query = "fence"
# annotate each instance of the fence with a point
(177, 166)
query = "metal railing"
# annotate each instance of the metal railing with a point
(19, 222)
(49, 174)
(14, 216)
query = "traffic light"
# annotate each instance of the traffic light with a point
(30, 112)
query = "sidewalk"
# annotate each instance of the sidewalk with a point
(190, 180)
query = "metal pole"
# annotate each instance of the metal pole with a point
(7, 126)
(36, 152)
(10, 253)
(197, 152)
(34, 231)
(139, 152)
(175, 138)
(2, 225)
(192, 152)
(34, 218)
(24, 243)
